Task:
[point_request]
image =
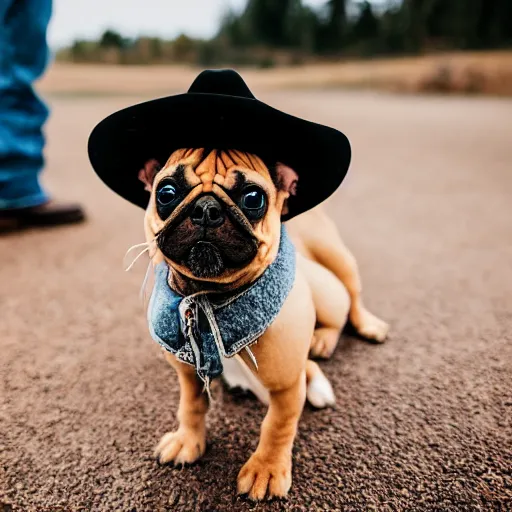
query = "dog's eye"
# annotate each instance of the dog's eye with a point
(253, 200)
(166, 195)
(253, 203)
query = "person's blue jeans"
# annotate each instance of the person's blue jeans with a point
(23, 58)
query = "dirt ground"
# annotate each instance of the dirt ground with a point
(423, 422)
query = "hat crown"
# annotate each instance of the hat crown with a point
(221, 81)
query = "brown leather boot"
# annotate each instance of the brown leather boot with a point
(45, 215)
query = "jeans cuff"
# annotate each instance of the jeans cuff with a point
(20, 189)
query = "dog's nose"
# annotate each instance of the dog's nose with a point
(207, 212)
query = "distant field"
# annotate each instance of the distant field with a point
(469, 73)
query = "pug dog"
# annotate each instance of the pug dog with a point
(214, 219)
(252, 280)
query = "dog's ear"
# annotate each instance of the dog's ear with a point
(148, 172)
(286, 183)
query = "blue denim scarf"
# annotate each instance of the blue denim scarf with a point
(198, 329)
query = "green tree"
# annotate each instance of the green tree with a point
(404, 26)
(111, 39)
(266, 21)
(79, 51)
(392, 30)
(493, 24)
(234, 28)
(464, 23)
(366, 25)
(156, 48)
(337, 21)
(184, 48)
(301, 24)
(331, 34)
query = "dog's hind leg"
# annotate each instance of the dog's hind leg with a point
(319, 391)
(342, 263)
(332, 305)
(316, 235)
(188, 443)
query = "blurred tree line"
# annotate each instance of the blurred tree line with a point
(272, 32)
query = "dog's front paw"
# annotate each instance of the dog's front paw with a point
(261, 477)
(369, 326)
(180, 447)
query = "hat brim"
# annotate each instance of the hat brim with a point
(121, 144)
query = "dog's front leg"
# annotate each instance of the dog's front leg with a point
(281, 354)
(269, 469)
(188, 443)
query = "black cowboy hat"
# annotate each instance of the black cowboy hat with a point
(218, 111)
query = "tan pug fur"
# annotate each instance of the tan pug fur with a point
(326, 292)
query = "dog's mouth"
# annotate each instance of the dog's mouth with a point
(208, 239)
(205, 260)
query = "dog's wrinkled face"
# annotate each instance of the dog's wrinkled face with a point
(216, 215)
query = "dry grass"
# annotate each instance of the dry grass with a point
(477, 73)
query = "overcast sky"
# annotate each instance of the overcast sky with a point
(86, 19)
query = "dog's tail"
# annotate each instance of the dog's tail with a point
(319, 392)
